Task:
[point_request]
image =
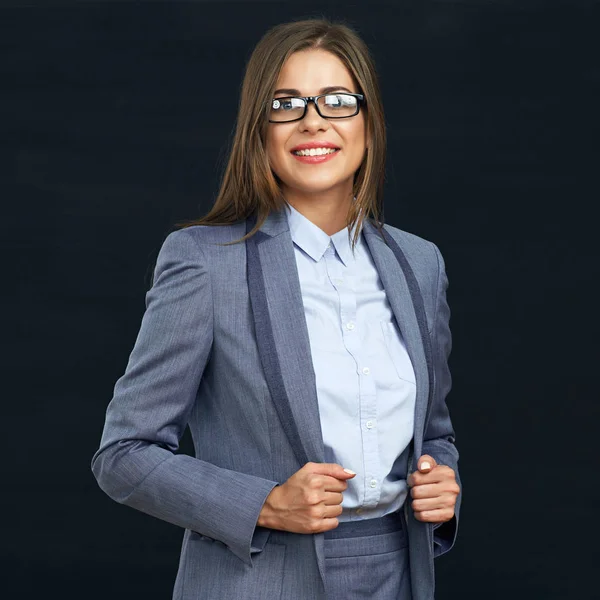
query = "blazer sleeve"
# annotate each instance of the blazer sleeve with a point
(136, 463)
(439, 438)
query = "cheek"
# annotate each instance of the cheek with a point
(354, 137)
(275, 146)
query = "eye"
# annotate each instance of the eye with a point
(340, 101)
(285, 104)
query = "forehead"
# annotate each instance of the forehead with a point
(310, 70)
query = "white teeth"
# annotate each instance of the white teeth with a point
(315, 151)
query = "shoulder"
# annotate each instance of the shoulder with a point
(207, 234)
(425, 260)
(422, 254)
(201, 246)
(202, 241)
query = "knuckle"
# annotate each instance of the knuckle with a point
(314, 482)
(332, 524)
(314, 527)
(315, 512)
(313, 498)
(449, 504)
(449, 472)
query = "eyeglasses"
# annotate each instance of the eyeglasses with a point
(329, 106)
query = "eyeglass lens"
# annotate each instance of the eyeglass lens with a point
(331, 105)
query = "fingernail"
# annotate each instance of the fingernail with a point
(350, 472)
(425, 465)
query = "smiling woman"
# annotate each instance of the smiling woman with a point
(337, 143)
(305, 344)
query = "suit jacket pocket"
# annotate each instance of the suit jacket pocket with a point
(213, 571)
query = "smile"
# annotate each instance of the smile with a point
(315, 155)
(314, 151)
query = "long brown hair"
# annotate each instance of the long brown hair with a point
(249, 186)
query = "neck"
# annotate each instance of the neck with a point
(328, 211)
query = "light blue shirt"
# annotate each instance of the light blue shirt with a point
(364, 377)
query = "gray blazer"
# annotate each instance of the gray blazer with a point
(223, 348)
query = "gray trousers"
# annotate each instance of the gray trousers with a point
(368, 559)
(363, 559)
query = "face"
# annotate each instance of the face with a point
(307, 73)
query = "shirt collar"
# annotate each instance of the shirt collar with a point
(314, 241)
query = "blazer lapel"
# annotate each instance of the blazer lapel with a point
(282, 334)
(402, 293)
(404, 296)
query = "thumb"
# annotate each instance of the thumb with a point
(331, 469)
(426, 463)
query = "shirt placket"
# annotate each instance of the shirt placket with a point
(367, 420)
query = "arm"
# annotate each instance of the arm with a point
(439, 437)
(136, 463)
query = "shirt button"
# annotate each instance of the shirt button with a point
(359, 511)
(350, 325)
(370, 424)
(366, 370)
(373, 483)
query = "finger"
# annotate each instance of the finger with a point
(331, 484)
(333, 511)
(439, 473)
(428, 504)
(435, 490)
(330, 469)
(435, 516)
(333, 498)
(328, 524)
(427, 490)
(426, 463)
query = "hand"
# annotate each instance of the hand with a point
(309, 501)
(434, 490)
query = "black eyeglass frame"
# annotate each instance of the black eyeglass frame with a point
(359, 97)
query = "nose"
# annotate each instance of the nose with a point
(312, 120)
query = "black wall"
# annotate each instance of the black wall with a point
(116, 119)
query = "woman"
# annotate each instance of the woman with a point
(305, 345)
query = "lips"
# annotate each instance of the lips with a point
(314, 144)
(316, 158)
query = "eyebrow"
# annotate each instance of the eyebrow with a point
(325, 90)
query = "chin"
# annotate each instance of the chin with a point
(318, 184)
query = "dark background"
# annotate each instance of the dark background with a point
(116, 121)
